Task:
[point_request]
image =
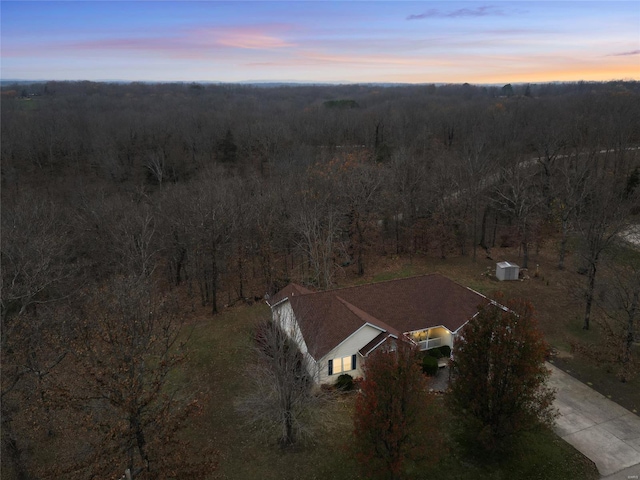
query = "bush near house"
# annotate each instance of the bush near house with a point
(430, 365)
(344, 382)
(434, 352)
(440, 352)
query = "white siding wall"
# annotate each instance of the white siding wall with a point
(447, 338)
(283, 315)
(349, 347)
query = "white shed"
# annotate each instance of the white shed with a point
(507, 271)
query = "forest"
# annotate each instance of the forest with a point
(127, 206)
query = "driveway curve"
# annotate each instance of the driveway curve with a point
(602, 430)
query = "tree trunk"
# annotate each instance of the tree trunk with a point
(474, 233)
(628, 344)
(563, 246)
(397, 234)
(182, 252)
(483, 228)
(495, 231)
(590, 288)
(287, 438)
(240, 272)
(136, 433)
(13, 451)
(360, 248)
(525, 247)
(214, 274)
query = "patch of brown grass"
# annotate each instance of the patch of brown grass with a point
(555, 294)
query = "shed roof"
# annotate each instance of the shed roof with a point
(506, 264)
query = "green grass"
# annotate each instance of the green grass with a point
(537, 455)
(406, 271)
(220, 349)
(28, 104)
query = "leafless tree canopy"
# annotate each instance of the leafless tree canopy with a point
(283, 400)
(116, 197)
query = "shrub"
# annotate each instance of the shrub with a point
(445, 350)
(434, 352)
(430, 365)
(344, 382)
(396, 425)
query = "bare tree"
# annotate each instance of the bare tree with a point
(133, 238)
(360, 183)
(403, 193)
(317, 223)
(37, 274)
(516, 196)
(35, 249)
(570, 192)
(602, 218)
(207, 222)
(283, 400)
(548, 141)
(619, 301)
(121, 230)
(128, 342)
(473, 169)
(156, 166)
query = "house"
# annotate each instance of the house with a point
(336, 330)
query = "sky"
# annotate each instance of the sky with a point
(321, 41)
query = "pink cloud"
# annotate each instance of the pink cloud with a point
(262, 37)
(199, 42)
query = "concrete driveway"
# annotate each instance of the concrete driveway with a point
(602, 430)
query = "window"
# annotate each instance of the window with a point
(340, 365)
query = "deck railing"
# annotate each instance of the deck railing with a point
(431, 343)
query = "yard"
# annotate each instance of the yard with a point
(556, 297)
(221, 347)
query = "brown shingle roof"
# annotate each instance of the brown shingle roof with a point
(375, 343)
(287, 292)
(369, 319)
(395, 306)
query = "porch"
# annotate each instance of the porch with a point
(432, 338)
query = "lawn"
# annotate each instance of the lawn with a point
(220, 349)
(556, 296)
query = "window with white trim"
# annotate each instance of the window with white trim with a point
(341, 365)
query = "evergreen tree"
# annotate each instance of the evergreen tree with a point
(499, 388)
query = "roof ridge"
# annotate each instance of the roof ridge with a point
(376, 321)
(412, 277)
(385, 281)
(308, 291)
